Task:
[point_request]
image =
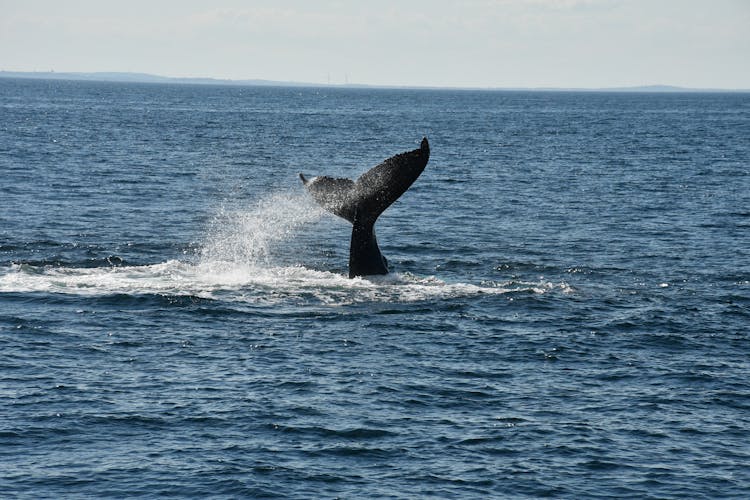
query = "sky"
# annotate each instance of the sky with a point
(444, 43)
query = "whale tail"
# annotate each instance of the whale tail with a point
(362, 201)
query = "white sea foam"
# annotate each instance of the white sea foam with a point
(244, 283)
(237, 262)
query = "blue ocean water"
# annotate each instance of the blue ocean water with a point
(568, 313)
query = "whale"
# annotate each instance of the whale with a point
(361, 202)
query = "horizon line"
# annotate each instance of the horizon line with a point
(139, 77)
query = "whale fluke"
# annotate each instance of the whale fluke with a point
(362, 202)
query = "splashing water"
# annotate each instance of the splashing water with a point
(249, 237)
(240, 261)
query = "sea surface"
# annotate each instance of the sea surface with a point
(568, 313)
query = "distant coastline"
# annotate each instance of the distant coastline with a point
(125, 77)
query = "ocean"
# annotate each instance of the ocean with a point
(567, 315)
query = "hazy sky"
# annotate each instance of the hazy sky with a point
(482, 43)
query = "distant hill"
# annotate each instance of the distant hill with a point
(659, 88)
(148, 78)
(138, 78)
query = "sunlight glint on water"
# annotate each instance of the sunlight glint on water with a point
(525, 347)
